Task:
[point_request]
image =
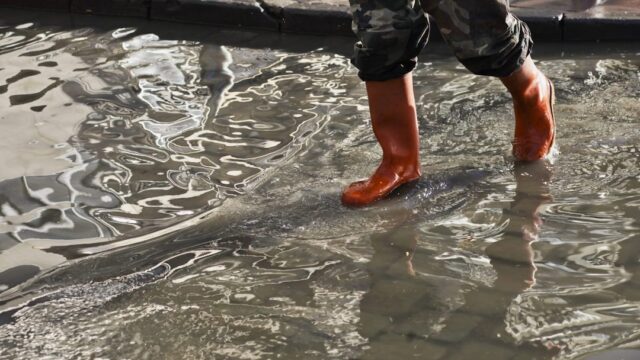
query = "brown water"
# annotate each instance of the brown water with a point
(172, 198)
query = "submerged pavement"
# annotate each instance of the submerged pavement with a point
(198, 213)
(550, 20)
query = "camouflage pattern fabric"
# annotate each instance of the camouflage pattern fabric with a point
(485, 37)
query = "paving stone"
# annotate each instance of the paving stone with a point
(138, 8)
(481, 351)
(236, 13)
(393, 346)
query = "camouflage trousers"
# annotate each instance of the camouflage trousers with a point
(485, 37)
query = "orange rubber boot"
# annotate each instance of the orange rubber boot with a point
(395, 125)
(533, 98)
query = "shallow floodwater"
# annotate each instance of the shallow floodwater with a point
(165, 198)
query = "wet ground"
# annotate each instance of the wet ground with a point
(169, 196)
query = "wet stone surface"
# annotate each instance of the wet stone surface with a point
(232, 13)
(549, 20)
(137, 8)
(195, 185)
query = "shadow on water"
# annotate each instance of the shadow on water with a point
(179, 198)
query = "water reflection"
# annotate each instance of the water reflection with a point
(409, 314)
(144, 132)
(157, 132)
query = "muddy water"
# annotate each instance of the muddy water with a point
(166, 198)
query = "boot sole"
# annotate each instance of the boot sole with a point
(382, 196)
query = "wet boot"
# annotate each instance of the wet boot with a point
(394, 122)
(533, 98)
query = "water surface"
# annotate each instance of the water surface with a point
(179, 198)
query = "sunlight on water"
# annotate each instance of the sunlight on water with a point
(195, 189)
(161, 138)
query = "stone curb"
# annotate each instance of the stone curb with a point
(328, 17)
(229, 13)
(136, 8)
(578, 27)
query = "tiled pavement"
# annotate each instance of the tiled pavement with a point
(550, 20)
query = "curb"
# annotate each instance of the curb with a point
(578, 27)
(327, 18)
(229, 13)
(136, 8)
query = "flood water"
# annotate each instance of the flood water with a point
(167, 197)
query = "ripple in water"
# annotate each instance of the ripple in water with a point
(211, 175)
(162, 130)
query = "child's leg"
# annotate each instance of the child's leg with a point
(489, 40)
